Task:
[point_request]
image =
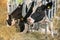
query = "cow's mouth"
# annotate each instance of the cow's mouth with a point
(8, 22)
(30, 21)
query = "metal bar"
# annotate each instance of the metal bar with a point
(52, 13)
(24, 9)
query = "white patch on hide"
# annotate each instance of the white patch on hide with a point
(30, 20)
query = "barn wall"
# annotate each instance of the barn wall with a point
(12, 5)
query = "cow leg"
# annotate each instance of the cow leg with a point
(30, 28)
(21, 25)
(17, 25)
(26, 28)
(50, 26)
(37, 26)
(33, 28)
(51, 29)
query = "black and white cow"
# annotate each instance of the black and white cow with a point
(39, 16)
(24, 21)
(16, 16)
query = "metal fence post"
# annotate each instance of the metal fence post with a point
(24, 8)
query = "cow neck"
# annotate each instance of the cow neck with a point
(30, 11)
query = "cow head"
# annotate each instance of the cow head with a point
(15, 15)
(10, 21)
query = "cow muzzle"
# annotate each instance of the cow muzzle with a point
(30, 21)
(10, 22)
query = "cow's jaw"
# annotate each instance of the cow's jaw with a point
(30, 20)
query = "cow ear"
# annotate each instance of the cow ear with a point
(47, 0)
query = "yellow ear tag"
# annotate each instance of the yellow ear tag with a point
(48, 6)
